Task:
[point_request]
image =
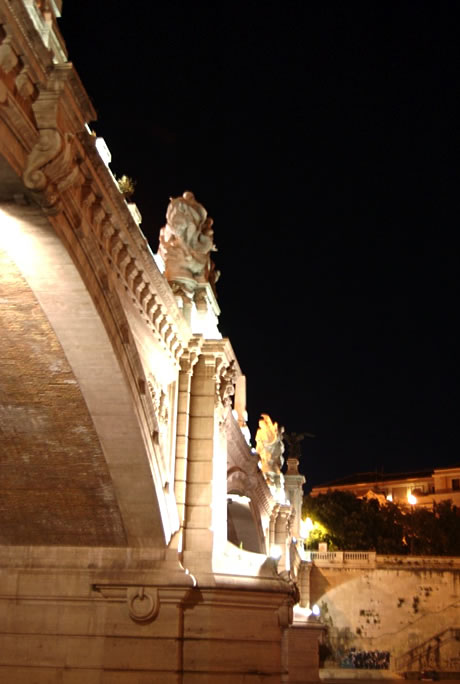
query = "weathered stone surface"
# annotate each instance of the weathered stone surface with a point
(55, 483)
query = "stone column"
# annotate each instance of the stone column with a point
(293, 486)
(187, 362)
(205, 523)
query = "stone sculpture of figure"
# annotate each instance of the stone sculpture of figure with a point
(293, 440)
(187, 241)
(269, 445)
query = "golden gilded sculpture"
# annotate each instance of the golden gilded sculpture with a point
(269, 445)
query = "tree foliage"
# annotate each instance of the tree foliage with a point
(352, 523)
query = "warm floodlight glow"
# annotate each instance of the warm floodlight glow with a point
(411, 499)
(389, 497)
(20, 246)
(238, 498)
(275, 552)
(104, 152)
(306, 527)
(192, 577)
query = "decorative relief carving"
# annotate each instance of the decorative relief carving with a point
(160, 400)
(161, 407)
(225, 385)
(143, 606)
(143, 602)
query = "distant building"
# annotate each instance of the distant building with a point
(426, 486)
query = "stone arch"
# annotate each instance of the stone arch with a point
(124, 499)
(243, 518)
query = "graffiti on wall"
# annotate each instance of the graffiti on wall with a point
(366, 660)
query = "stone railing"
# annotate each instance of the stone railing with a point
(371, 559)
(348, 558)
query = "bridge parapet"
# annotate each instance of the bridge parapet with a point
(340, 558)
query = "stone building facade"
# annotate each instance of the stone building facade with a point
(421, 488)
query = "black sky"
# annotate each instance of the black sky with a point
(323, 140)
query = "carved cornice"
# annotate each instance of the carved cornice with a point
(127, 252)
(64, 172)
(30, 44)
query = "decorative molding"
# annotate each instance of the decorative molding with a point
(124, 248)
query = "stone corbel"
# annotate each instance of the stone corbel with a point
(188, 359)
(88, 195)
(8, 57)
(51, 166)
(25, 87)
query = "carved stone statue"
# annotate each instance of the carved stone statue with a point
(293, 440)
(187, 241)
(269, 446)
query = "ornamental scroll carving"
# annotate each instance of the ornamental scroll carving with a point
(186, 242)
(51, 166)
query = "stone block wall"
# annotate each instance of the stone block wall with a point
(117, 616)
(407, 606)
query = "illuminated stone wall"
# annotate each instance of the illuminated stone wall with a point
(407, 606)
(55, 487)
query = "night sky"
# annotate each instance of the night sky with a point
(323, 140)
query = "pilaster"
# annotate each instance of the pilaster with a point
(187, 362)
(205, 519)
